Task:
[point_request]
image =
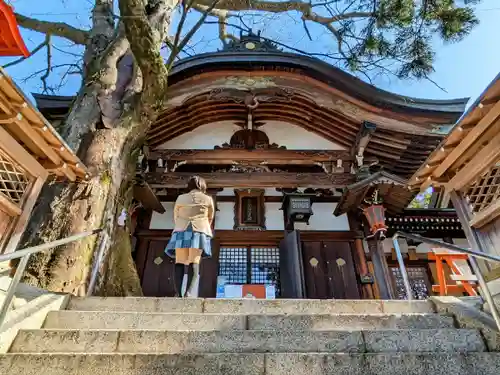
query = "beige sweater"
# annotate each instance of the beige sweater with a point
(196, 208)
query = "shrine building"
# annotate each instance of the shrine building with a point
(308, 167)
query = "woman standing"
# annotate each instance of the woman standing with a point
(190, 241)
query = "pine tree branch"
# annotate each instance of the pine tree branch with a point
(59, 29)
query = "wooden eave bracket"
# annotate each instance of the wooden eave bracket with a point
(362, 139)
(146, 196)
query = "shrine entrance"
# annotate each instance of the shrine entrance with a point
(329, 270)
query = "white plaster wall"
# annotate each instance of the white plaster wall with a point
(462, 242)
(274, 216)
(224, 217)
(293, 137)
(324, 219)
(204, 137)
(268, 192)
(165, 220)
(387, 245)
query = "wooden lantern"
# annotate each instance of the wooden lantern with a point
(298, 208)
(11, 42)
(375, 215)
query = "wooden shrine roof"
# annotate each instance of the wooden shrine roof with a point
(392, 189)
(468, 159)
(30, 129)
(299, 90)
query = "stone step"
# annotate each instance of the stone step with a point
(218, 322)
(248, 306)
(252, 364)
(280, 341)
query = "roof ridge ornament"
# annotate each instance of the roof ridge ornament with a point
(251, 42)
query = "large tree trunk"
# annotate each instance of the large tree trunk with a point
(107, 123)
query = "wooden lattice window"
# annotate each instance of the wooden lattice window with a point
(250, 265)
(486, 190)
(14, 180)
(419, 282)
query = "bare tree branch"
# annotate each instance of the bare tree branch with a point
(46, 75)
(305, 8)
(35, 50)
(59, 29)
(190, 33)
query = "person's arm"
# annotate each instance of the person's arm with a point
(176, 211)
(211, 210)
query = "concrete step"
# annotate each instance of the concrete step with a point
(248, 306)
(218, 322)
(280, 341)
(252, 364)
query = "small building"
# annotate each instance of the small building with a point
(303, 161)
(465, 169)
(31, 153)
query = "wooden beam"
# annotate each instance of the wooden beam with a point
(362, 139)
(8, 206)
(467, 142)
(147, 197)
(483, 160)
(255, 180)
(271, 156)
(486, 215)
(473, 236)
(22, 220)
(19, 154)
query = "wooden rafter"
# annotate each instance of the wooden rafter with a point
(479, 125)
(28, 127)
(482, 161)
(399, 153)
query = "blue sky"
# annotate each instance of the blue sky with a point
(463, 69)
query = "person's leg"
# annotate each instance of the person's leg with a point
(179, 277)
(181, 258)
(193, 271)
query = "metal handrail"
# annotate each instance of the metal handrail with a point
(25, 254)
(472, 259)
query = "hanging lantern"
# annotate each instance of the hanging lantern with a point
(375, 214)
(11, 42)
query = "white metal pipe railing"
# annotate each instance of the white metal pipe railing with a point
(472, 259)
(25, 254)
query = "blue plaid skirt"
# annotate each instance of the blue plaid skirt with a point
(189, 239)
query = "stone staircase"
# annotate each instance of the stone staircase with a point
(153, 336)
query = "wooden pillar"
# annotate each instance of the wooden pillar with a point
(381, 269)
(360, 259)
(464, 215)
(362, 268)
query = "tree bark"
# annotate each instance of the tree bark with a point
(107, 124)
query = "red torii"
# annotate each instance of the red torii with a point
(11, 42)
